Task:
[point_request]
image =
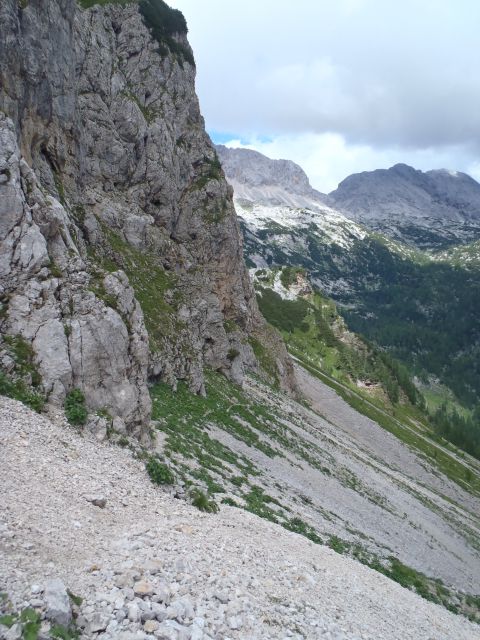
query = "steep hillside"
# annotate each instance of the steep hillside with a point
(148, 566)
(427, 210)
(121, 259)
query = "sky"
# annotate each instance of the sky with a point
(341, 86)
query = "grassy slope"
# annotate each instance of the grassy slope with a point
(189, 426)
(315, 335)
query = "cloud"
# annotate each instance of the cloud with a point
(385, 77)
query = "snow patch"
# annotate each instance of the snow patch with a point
(334, 227)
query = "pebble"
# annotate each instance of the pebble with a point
(142, 588)
(97, 501)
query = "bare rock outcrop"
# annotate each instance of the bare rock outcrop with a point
(121, 258)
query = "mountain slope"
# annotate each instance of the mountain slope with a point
(228, 574)
(427, 210)
(421, 306)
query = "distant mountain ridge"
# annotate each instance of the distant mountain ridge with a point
(409, 284)
(428, 209)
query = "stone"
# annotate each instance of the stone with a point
(153, 567)
(97, 500)
(36, 603)
(133, 612)
(159, 611)
(142, 588)
(118, 425)
(172, 630)
(162, 593)
(124, 580)
(150, 626)
(222, 596)
(57, 602)
(235, 622)
(98, 426)
(98, 622)
(14, 633)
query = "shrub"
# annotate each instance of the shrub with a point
(288, 275)
(75, 408)
(165, 22)
(202, 502)
(232, 354)
(159, 473)
(18, 390)
(230, 502)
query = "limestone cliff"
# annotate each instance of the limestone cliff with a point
(120, 254)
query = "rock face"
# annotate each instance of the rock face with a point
(426, 209)
(120, 253)
(262, 180)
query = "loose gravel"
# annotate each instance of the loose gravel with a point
(85, 515)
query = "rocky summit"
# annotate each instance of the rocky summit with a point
(256, 178)
(428, 209)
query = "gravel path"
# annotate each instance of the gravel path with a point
(149, 566)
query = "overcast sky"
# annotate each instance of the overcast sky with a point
(341, 86)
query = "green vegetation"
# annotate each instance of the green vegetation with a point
(422, 311)
(211, 170)
(18, 390)
(22, 353)
(288, 276)
(185, 417)
(30, 622)
(201, 501)
(371, 380)
(297, 525)
(314, 327)
(463, 431)
(76, 600)
(59, 186)
(149, 280)
(148, 112)
(265, 359)
(426, 315)
(163, 22)
(75, 408)
(257, 501)
(23, 380)
(159, 473)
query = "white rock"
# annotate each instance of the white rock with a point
(57, 602)
(133, 612)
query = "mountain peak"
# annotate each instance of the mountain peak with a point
(426, 209)
(263, 180)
